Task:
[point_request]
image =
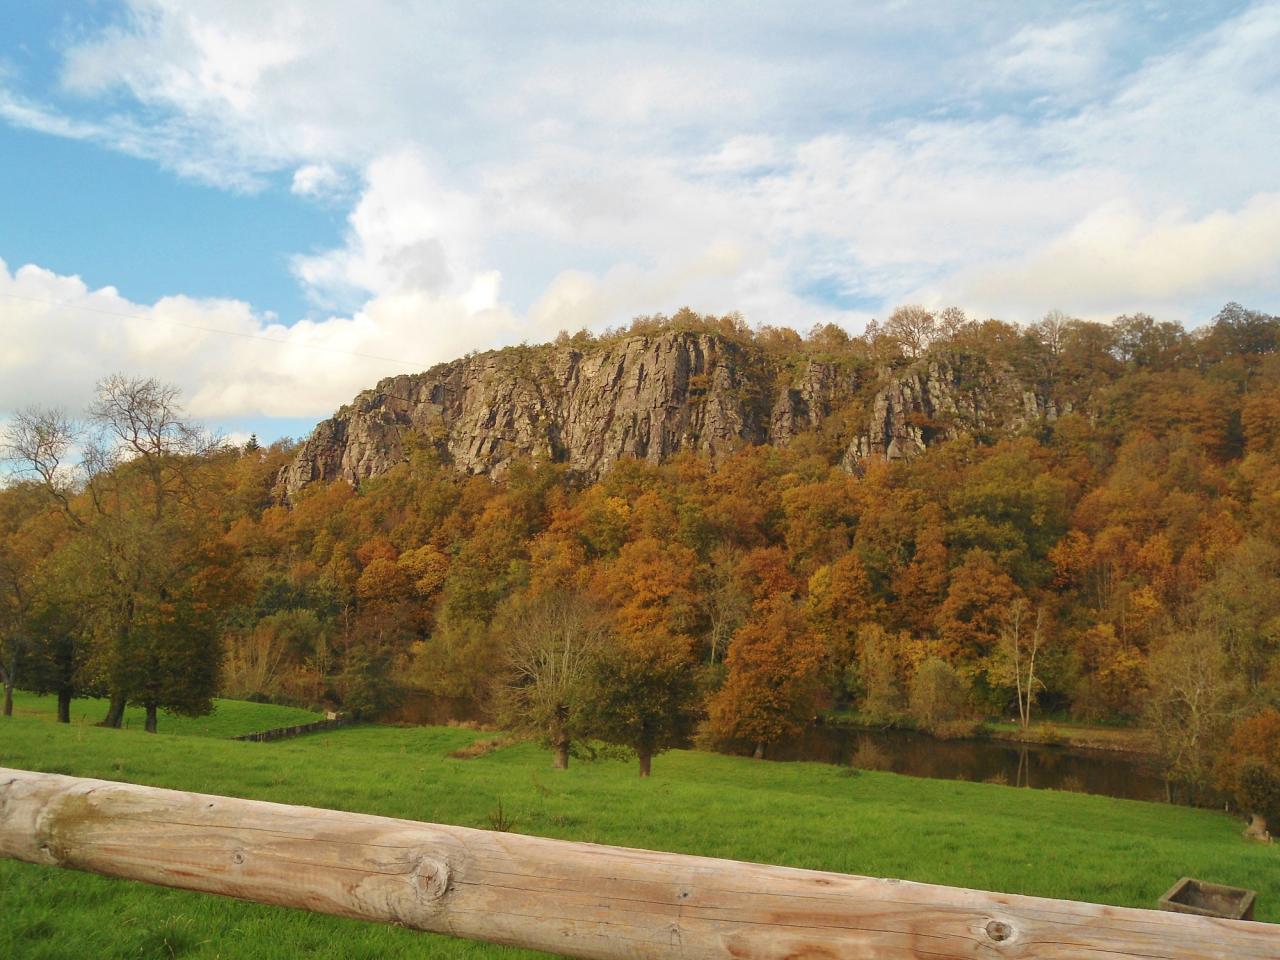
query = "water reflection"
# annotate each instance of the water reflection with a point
(1039, 766)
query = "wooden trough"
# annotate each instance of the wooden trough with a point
(576, 899)
(1209, 900)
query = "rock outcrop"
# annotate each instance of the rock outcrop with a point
(649, 397)
(646, 397)
(942, 398)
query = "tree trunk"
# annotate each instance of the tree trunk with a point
(1257, 829)
(151, 718)
(560, 761)
(8, 673)
(115, 712)
(64, 705)
(646, 762)
(759, 752)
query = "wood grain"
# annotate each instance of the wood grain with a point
(576, 899)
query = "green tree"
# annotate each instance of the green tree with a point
(552, 641)
(22, 547)
(60, 653)
(137, 499)
(1242, 606)
(644, 697)
(170, 660)
(879, 674)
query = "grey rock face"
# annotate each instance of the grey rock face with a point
(647, 397)
(820, 389)
(940, 399)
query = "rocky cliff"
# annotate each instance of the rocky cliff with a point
(650, 397)
(942, 398)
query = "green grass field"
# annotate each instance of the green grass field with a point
(230, 718)
(805, 815)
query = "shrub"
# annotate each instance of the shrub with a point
(937, 694)
(1257, 789)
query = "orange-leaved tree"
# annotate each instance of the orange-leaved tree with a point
(1249, 768)
(775, 661)
(643, 690)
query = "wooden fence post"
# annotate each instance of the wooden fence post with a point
(577, 899)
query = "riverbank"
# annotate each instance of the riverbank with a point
(1128, 740)
(797, 814)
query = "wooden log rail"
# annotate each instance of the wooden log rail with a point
(577, 899)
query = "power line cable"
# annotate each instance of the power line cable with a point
(229, 333)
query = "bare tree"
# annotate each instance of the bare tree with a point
(726, 603)
(913, 328)
(38, 442)
(952, 321)
(1022, 638)
(140, 420)
(552, 641)
(1192, 699)
(1051, 331)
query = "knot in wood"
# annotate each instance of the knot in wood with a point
(431, 879)
(999, 931)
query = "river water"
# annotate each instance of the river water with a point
(1039, 766)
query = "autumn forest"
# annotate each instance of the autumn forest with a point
(1116, 563)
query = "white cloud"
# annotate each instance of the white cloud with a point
(172, 145)
(406, 233)
(317, 180)
(1067, 56)
(565, 167)
(61, 337)
(1117, 260)
(743, 155)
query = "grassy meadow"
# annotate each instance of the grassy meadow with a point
(805, 815)
(230, 718)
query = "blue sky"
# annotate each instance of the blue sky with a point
(114, 219)
(275, 205)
